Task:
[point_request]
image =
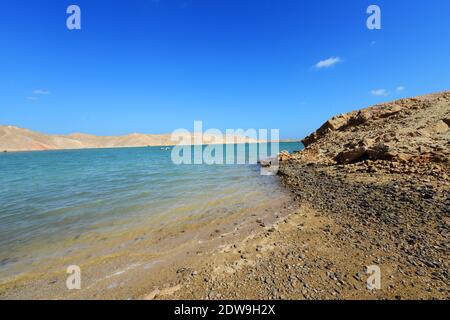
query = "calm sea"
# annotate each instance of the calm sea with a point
(49, 200)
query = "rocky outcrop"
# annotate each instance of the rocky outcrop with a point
(403, 130)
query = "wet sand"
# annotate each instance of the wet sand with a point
(132, 264)
(304, 246)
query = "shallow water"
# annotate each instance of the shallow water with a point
(57, 203)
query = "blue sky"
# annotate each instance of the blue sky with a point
(154, 66)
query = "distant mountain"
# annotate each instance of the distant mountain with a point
(18, 139)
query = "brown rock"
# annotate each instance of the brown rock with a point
(447, 121)
(437, 128)
(284, 156)
(349, 156)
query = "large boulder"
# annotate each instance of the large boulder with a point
(436, 128)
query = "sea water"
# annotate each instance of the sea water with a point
(50, 200)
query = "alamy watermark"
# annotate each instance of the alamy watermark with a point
(374, 20)
(234, 146)
(73, 21)
(374, 279)
(73, 281)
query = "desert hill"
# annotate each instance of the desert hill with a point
(18, 139)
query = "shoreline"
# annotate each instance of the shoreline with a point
(14, 139)
(148, 259)
(315, 247)
(141, 147)
(321, 250)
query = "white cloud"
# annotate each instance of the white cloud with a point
(400, 88)
(328, 62)
(380, 92)
(32, 98)
(41, 92)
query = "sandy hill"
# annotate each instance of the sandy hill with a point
(18, 139)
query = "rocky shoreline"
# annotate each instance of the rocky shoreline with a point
(404, 219)
(389, 183)
(371, 188)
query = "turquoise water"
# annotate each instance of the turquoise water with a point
(50, 197)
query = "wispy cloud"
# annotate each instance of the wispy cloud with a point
(41, 92)
(328, 63)
(37, 93)
(380, 92)
(384, 92)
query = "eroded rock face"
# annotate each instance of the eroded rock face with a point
(415, 129)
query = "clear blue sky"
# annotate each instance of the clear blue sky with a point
(154, 66)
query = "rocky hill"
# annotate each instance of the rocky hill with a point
(415, 130)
